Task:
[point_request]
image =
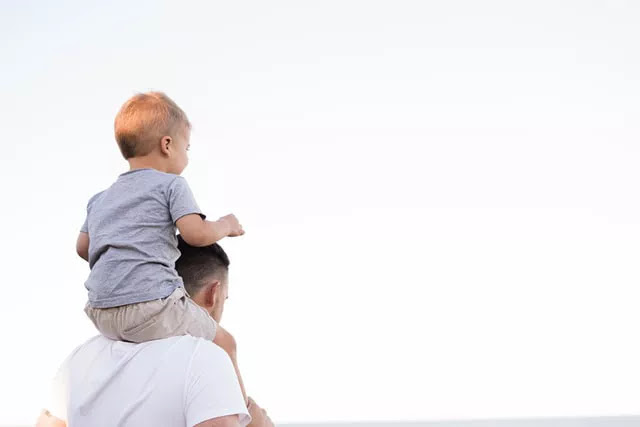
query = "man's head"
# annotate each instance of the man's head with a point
(152, 125)
(204, 272)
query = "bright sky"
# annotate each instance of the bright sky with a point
(440, 198)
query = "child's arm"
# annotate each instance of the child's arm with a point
(228, 343)
(259, 417)
(82, 245)
(199, 232)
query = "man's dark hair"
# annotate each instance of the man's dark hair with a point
(197, 265)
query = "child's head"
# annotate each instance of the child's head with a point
(152, 127)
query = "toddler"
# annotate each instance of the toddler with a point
(129, 235)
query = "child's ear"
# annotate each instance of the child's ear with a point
(165, 142)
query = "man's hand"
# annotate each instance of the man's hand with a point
(47, 420)
(235, 229)
(259, 417)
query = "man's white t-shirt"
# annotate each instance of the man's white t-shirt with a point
(178, 381)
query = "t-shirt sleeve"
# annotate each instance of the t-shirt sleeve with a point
(85, 225)
(181, 200)
(212, 389)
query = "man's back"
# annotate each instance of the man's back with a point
(173, 382)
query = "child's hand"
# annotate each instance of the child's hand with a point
(235, 229)
(259, 417)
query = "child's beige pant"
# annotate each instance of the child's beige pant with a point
(172, 316)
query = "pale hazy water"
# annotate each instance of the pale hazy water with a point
(626, 421)
(622, 421)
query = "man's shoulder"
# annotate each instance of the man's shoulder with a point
(184, 344)
(207, 348)
(187, 344)
(194, 354)
(186, 351)
(95, 341)
(188, 355)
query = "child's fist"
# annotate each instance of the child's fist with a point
(235, 229)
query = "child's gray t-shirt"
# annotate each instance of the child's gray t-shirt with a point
(132, 237)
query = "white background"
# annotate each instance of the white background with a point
(440, 198)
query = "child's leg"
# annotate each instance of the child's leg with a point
(107, 321)
(201, 324)
(143, 321)
(152, 320)
(228, 343)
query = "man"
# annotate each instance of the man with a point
(179, 381)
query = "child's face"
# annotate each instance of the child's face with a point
(180, 158)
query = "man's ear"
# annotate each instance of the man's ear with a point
(165, 142)
(211, 293)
